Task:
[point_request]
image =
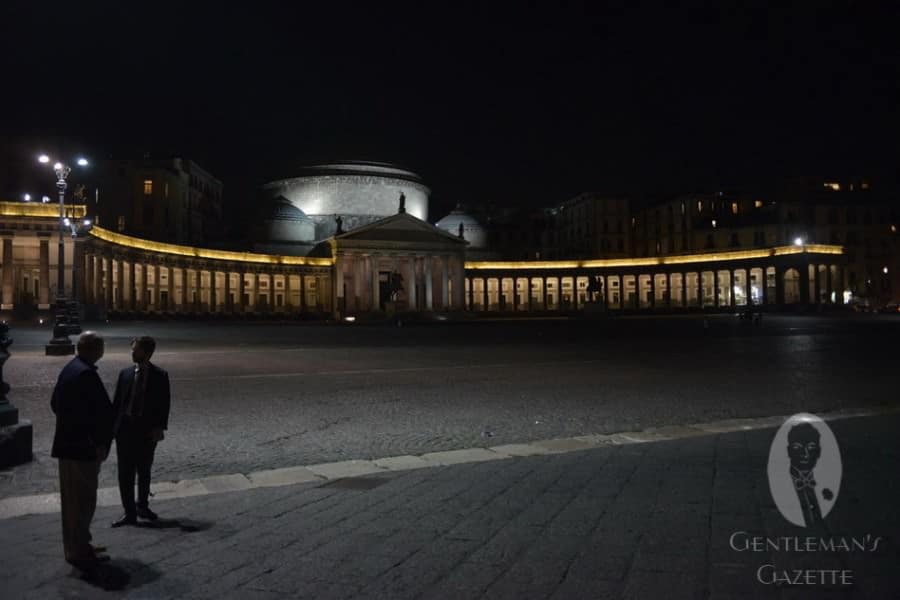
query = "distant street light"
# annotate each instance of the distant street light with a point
(26, 197)
(798, 241)
(61, 344)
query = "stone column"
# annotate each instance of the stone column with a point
(458, 273)
(303, 307)
(606, 290)
(198, 289)
(242, 286)
(142, 301)
(485, 297)
(185, 302)
(254, 296)
(829, 285)
(731, 286)
(132, 286)
(804, 283)
(44, 285)
(544, 293)
(376, 287)
(88, 278)
(429, 283)
(748, 288)
(107, 282)
(288, 307)
(120, 285)
(411, 283)
(530, 294)
(515, 290)
(684, 290)
(338, 286)
(716, 287)
(8, 267)
(765, 285)
(817, 284)
(154, 269)
(170, 287)
(98, 279)
(839, 291)
(229, 305)
(445, 282)
(652, 289)
(779, 286)
(669, 289)
(213, 299)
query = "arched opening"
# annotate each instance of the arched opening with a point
(791, 286)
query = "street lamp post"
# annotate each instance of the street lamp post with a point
(60, 344)
(77, 228)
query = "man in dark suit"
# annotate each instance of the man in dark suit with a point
(84, 432)
(141, 407)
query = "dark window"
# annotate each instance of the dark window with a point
(709, 241)
(734, 240)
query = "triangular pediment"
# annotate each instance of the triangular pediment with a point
(401, 228)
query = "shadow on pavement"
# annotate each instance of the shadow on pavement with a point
(185, 525)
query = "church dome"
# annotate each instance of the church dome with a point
(284, 222)
(360, 192)
(473, 231)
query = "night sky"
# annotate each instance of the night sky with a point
(520, 105)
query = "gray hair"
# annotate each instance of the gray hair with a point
(89, 343)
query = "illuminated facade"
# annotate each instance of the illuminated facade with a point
(398, 263)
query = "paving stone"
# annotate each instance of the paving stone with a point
(347, 468)
(400, 463)
(521, 450)
(280, 477)
(606, 522)
(454, 457)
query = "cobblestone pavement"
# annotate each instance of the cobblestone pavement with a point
(669, 519)
(258, 396)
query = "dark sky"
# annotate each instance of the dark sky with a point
(526, 104)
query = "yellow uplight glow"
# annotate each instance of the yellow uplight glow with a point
(20, 209)
(655, 261)
(251, 257)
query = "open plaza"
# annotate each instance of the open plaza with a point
(563, 458)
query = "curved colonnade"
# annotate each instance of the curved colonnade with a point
(127, 274)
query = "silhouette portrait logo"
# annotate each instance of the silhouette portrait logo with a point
(805, 470)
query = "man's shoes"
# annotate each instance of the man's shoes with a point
(98, 549)
(144, 512)
(125, 520)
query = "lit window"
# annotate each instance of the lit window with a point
(699, 206)
(165, 190)
(734, 208)
(893, 229)
(714, 223)
(121, 223)
(682, 208)
(833, 186)
(864, 185)
(758, 203)
(148, 187)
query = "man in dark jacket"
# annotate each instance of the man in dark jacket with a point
(141, 408)
(84, 431)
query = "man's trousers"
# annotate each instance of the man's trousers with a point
(134, 449)
(78, 500)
